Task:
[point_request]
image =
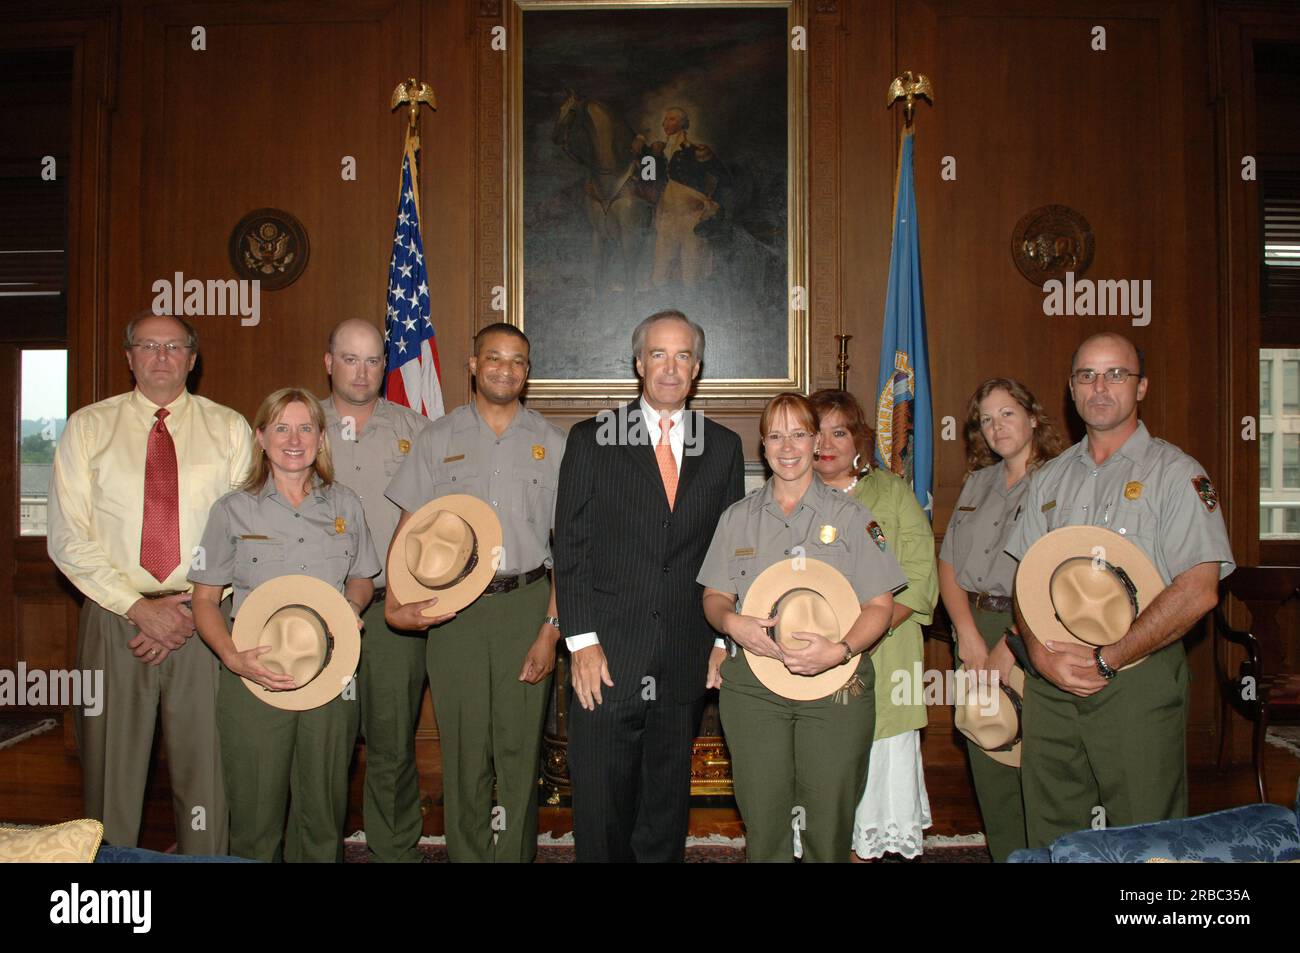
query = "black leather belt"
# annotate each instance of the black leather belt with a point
(508, 583)
(163, 593)
(982, 600)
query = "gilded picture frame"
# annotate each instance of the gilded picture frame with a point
(652, 162)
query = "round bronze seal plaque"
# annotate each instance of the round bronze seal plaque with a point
(1050, 241)
(269, 245)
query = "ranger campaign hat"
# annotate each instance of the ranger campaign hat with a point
(1084, 584)
(990, 718)
(804, 595)
(312, 633)
(448, 549)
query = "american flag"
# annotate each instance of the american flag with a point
(414, 376)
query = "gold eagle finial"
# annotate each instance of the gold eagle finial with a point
(414, 92)
(909, 87)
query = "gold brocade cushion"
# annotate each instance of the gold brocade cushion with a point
(72, 842)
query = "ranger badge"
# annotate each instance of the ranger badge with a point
(877, 534)
(404, 445)
(1206, 491)
(539, 452)
(828, 534)
(1132, 490)
(340, 524)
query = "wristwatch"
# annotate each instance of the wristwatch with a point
(1106, 671)
(848, 654)
(551, 620)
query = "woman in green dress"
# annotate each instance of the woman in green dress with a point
(895, 809)
(1007, 437)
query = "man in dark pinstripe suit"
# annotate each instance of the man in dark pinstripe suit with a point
(641, 490)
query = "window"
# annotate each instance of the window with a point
(1291, 387)
(1291, 461)
(1265, 521)
(1266, 461)
(1265, 387)
(43, 413)
(1291, 521)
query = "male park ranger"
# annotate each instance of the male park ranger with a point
(490, 664)
(1095, 736)
(369, 437)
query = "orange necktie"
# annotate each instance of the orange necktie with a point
(667, 465)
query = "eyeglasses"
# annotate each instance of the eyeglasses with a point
(1116, 375)
(151, 348)
(794, 436)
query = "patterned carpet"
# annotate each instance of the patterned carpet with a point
(714, 850)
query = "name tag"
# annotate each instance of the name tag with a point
(254, 537)
(965, 509)
(459, 456)
(747, 551)
(1049, 506)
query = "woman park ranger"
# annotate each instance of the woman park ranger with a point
(286, 745)
(1007, 436)
(816, 592)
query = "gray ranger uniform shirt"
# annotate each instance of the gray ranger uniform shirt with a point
(366, 462)
(517, 473)
(976, 539)
(754, 533)
(1148, 491)
(251, 538)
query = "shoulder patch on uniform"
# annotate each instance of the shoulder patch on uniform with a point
(1206, 491)
(877, 534)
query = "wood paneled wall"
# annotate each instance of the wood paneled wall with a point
(1031, 113)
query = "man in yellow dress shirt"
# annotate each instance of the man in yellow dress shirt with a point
(134, 478)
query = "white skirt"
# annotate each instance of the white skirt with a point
(895, 808)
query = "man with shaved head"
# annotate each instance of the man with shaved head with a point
(1096, 736)
(369, 438)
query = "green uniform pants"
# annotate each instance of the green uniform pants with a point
(997, 786)
(116, 744)
(796, 763)
(1122, 750)
(273, 760)
(390, 687)
(490, 724)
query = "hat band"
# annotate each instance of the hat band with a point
(1130, 590)
(772, 613)
(1018, 703)
(469, 567)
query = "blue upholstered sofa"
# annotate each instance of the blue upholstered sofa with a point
(1254, 833)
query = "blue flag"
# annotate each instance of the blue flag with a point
(904, 422)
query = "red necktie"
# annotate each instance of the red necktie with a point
(667, 462)
(160, 530)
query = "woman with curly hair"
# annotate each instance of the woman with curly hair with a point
(1007, 436)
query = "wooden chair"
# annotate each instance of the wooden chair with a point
(1266, 686)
